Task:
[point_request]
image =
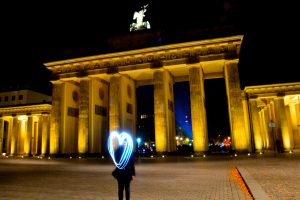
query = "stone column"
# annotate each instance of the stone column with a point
(23, 143)
(261, 127)
(39, 136)
(297, 130)
(45, 134)
(34, 135)
(290, 125)
(28, 148)
(115, 104)
(1, 134)
(83, 125)
(267, 129)
(164, 117)
(247, 122)
(275, 119)
(55, 121)
(283, 124)
(98, 115)
(235, 106)
(270, 129)
(14, 136)
(122, 105)
(198, 111)
(254, 118)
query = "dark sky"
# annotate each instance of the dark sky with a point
(33, 33)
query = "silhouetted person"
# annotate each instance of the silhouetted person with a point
(124, 176)
(278, 145)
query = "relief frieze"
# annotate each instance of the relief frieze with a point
(163, 55)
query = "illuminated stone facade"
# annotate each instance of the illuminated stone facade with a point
(25, 130)
(117, 75)
(275, 116)
(95, 95)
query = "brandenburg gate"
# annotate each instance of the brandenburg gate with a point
(95, 95)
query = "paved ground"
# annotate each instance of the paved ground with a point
(182, 178)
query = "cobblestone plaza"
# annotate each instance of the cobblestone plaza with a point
(212, 177)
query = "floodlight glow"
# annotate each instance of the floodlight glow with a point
(128, 149)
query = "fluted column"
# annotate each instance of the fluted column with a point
(290, 125)
(83, 126)
(297, 130)
(98, 115)
(274, 117)
(261, 128)
(115, 104)
(271, 129)
(55, 121)
(247, 121)
(254, 118)
(198, 111)
(164, 117)
(45, 133)
(122, 105)
(28, 145)
(14, 136)
(236, 113)
(34, 135)
(23, 143)
(267, 129)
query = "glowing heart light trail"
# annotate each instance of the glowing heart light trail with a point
(128, 149)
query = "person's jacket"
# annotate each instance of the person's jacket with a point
(129, 170)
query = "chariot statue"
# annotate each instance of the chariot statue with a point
(139, 23)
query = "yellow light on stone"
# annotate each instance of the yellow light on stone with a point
(23, 118)
(286, 138)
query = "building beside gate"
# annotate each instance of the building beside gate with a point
(95, 95)
(24, 123)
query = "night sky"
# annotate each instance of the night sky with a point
(34, 33)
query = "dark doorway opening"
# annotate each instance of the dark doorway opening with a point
(145, 120)
(183, 117)
(217, 116)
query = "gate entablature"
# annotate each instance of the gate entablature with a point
(175, 55)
